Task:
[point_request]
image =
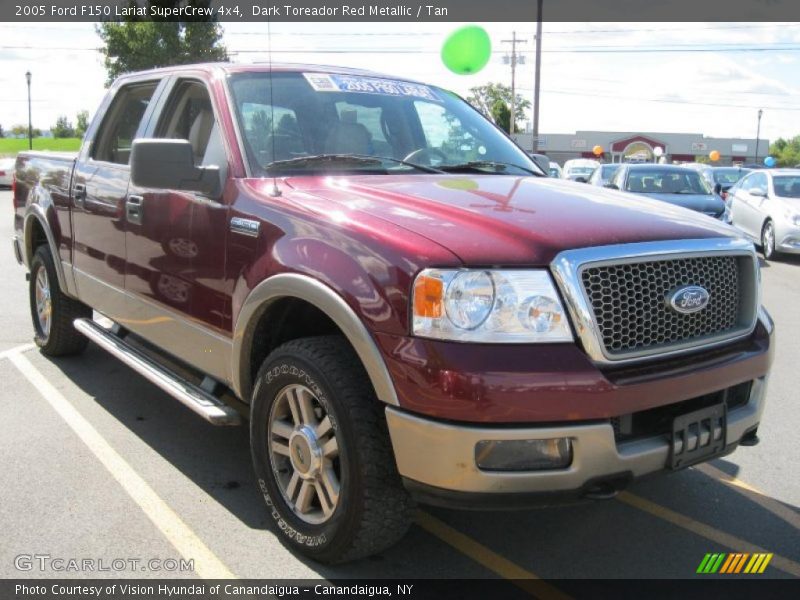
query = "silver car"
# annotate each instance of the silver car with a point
(765, 205)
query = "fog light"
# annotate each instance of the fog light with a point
(523, 455)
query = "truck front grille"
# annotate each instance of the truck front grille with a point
(630, 306)
(619, 297)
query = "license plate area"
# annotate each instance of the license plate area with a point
(698, 436)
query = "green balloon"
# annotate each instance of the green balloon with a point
(467, 50)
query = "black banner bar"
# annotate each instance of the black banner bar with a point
(733, 587)
(404, 10)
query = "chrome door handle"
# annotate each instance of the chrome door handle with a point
(133, 209)
(78, 194)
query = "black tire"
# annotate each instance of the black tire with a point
(768, 241)
(61, 338)
(374, 510)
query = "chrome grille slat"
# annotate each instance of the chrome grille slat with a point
(631, 310)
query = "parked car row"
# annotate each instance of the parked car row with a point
(764, 204)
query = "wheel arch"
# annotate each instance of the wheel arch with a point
(324, 299)
(37, 231)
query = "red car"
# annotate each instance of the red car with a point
(392, 293)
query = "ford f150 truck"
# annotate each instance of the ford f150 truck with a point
(392, 293)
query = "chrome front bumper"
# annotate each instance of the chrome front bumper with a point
(442, 455)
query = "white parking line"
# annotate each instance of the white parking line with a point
(206, 563)
(16, 350)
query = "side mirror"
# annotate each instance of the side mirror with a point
(718, 189)
(611, 186)
(757, 191)
(581, 180)
(169, 164)
(542, 162)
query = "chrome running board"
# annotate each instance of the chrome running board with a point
(201, 402)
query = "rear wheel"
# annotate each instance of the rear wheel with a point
(768, 240)
(53, 312)
(322, 453)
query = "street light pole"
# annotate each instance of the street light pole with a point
(30, 124)
(758, 132)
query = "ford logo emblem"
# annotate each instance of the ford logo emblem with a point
(688, 299)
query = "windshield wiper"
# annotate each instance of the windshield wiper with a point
(352, 159)
(479, 165)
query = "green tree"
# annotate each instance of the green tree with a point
(135, 44)
(484, 98)
(786, 152)
(63, 128)
(82, 123)
(501, 115)
(23, 130)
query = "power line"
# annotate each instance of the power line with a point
(662, 100)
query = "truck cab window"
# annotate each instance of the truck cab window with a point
(189, 116)
(122, 122)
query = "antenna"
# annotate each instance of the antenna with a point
(275, 191)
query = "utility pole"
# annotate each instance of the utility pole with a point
(758, 132)
(30, 124)
(537, 79)
(513, 60)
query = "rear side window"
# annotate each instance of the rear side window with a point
(122, 122)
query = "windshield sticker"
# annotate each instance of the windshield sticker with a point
(326, 82)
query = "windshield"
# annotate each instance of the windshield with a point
(553, 171)
(787, 186)
(607, 171)
(581, 170)
(729, 176)
(661, 181)
(295, 115)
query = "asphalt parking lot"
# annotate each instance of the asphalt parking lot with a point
(98, 463)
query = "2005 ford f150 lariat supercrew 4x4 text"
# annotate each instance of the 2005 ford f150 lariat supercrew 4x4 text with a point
(392, 293)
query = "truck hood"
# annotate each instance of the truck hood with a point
(508, 220)
(704, 203)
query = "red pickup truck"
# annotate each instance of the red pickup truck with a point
(396, 297)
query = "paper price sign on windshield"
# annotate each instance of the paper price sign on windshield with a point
(328, 82)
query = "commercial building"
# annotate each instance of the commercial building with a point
(622, 146)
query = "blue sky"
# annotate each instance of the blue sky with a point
(600, 76)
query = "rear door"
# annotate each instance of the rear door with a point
(176, 240)
(99, 193)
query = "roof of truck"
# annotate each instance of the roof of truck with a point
(230, 67)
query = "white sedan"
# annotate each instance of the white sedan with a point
(765, 205)
(6, 171)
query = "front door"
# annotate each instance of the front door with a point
(176, 242)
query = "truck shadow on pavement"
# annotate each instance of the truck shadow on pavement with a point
(614, 538)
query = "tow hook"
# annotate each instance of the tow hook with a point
(602, 491)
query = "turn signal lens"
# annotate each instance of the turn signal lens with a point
(428, 297)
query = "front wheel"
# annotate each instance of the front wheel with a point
(768, 240)
(322, 454)
(52, 311)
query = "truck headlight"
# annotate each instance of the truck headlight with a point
(490, 306)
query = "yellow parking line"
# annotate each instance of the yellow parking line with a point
(489, 558)
(706, 531)
(185, 541)
(763, 500)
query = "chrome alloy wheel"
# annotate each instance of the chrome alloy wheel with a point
(44, 305)
(768, 240)
(304, 454)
